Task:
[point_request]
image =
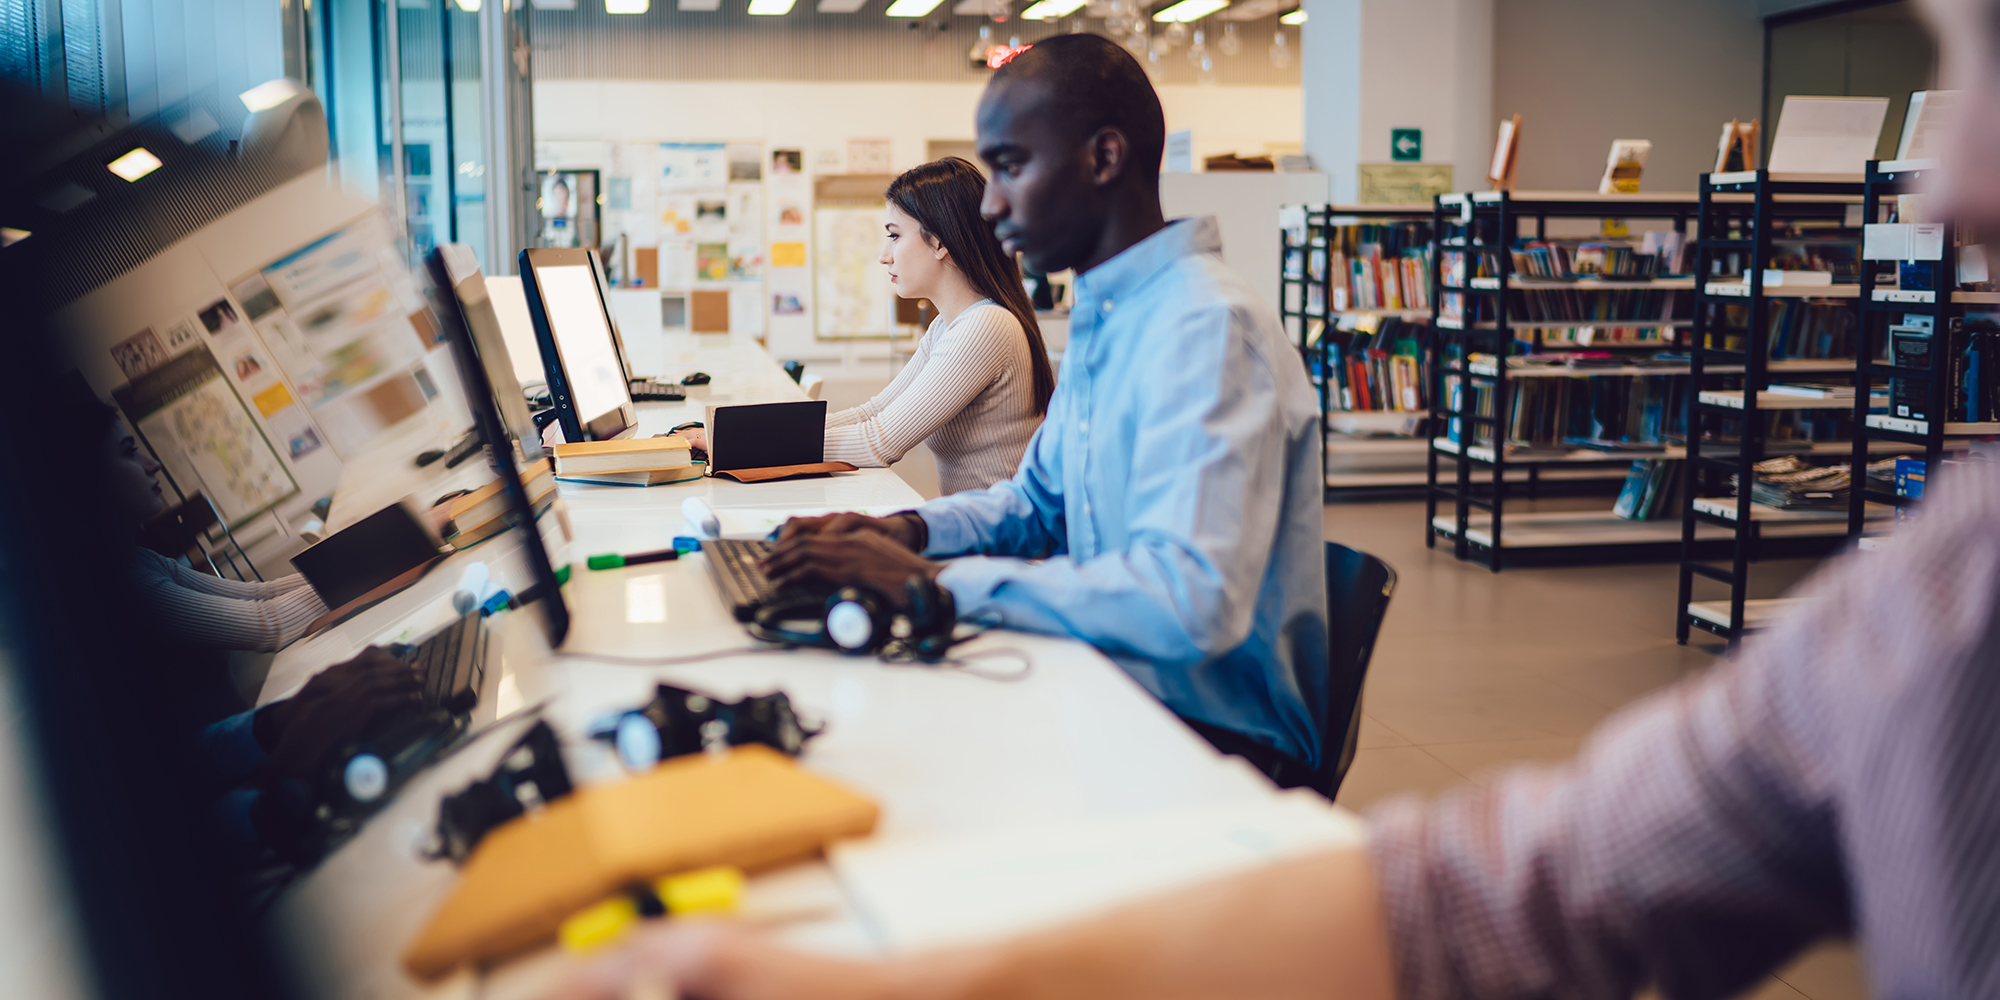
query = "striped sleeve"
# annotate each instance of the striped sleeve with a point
(962, 359)
(225, 614)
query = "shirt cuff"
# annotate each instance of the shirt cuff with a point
(972, 581)
(951, 533)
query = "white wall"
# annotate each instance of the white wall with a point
(1376, 65)
(812, 115)
(1584, 72)
(1245, 205)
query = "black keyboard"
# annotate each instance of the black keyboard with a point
(453, 663)
(645, 390)
(735, 565)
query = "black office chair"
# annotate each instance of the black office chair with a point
(1358, 587)
(182, 533)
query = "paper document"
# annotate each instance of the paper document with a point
(923, 893)
(1827, 135)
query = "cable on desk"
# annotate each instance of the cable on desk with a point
(964, 664)
(673, 661)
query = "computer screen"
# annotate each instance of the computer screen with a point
(580, 350)
(479, 308)
(545, 590)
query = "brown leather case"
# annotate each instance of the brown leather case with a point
(753, 809)
(777, 472)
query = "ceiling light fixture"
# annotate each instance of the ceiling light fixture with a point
(625, 6)
(269, 94)
(10, 236)
(1190, 10)
(771, 8)
(135, 164)
(468, 6)
(912, 8)
(1049, 10)
(1295, 17)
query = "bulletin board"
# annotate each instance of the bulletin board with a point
(852, 298)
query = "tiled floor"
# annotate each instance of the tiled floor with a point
(1475, 671)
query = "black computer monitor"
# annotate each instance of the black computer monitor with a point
(589, 381)
(546, 591)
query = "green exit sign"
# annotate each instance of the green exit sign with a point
(1406, 144)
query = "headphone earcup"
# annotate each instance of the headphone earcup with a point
(768, 624)
(857, 620)
(933, 619)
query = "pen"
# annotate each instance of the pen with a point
(612, 560)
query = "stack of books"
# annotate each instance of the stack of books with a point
(634, 462)
(1788, 482)
(480, 514)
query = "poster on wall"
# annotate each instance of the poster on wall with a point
(870, 156)
(203, 433)
(686, 166)
(852, 295)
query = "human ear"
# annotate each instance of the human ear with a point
(1109, 151)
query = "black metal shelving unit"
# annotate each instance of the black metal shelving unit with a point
(1944, 306)
(1487, 223)
(1306, 309)
(1739, 214)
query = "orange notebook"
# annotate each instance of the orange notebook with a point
(753, 809)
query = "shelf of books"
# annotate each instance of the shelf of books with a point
(1936, 357)
(1356, 301)
(1554, 358)
(1781, 277)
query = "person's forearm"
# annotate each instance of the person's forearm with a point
(1307, 928)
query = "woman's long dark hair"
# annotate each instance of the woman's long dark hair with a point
(943, 196)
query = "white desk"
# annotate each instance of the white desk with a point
(943, 752)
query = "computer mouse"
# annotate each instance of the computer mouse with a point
(697, 378)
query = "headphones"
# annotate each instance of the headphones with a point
(857, 620)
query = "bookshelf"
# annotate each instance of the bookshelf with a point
(1926, 422)
(1745, 319)
(1373, 449)
(1493, 310)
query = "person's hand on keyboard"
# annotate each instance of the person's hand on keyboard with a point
(906, 528)
(337, 703)
(862, 556)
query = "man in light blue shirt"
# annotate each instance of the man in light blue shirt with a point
(1171, 500)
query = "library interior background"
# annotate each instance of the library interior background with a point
(1597, 449)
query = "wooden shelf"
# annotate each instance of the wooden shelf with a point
(1584, 529)
(1884, 422)
(1725, 507)
(1374, 421)
(1767, 400)
(1794, 365)
(1756, 613)
(1741, 290)
(1374, 446)
(1583, 284)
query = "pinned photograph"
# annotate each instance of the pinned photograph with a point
(256, 295)
(181, 336)
(790, 214)
(784, 304)
(247, 367)
(788, 161)
(304, 442)
(219, 316)
(746, 161)
(711, 210)
(140, 353)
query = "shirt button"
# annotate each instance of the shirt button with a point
(1107, 306)
(1086, 508)
(1083, 427)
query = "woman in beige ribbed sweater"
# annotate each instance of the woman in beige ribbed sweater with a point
(979, 382)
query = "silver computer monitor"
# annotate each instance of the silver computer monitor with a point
(476, 308)
(581, 353)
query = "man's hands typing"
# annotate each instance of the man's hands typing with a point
(877, 552)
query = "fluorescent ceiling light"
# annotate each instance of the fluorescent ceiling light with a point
(912, 8)
(1049, 10)
(9, 237)
(135, 164)
(1295, 17)
(840, 6)
(265, 96)
(1190, 10)
(771, 8)
(701, 5)
(555, 4)
(625, 6)
(469, 6)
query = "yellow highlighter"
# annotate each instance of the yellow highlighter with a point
(716, 890)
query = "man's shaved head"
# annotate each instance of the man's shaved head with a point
(1088, 82)
(1074, 134)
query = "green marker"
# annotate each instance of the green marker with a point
(612, 560)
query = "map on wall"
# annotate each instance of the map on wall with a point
(852, 295)
(204, 434)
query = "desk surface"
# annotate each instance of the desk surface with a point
(944, 752)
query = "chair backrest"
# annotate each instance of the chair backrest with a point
(1358, 588)
(177, 531)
